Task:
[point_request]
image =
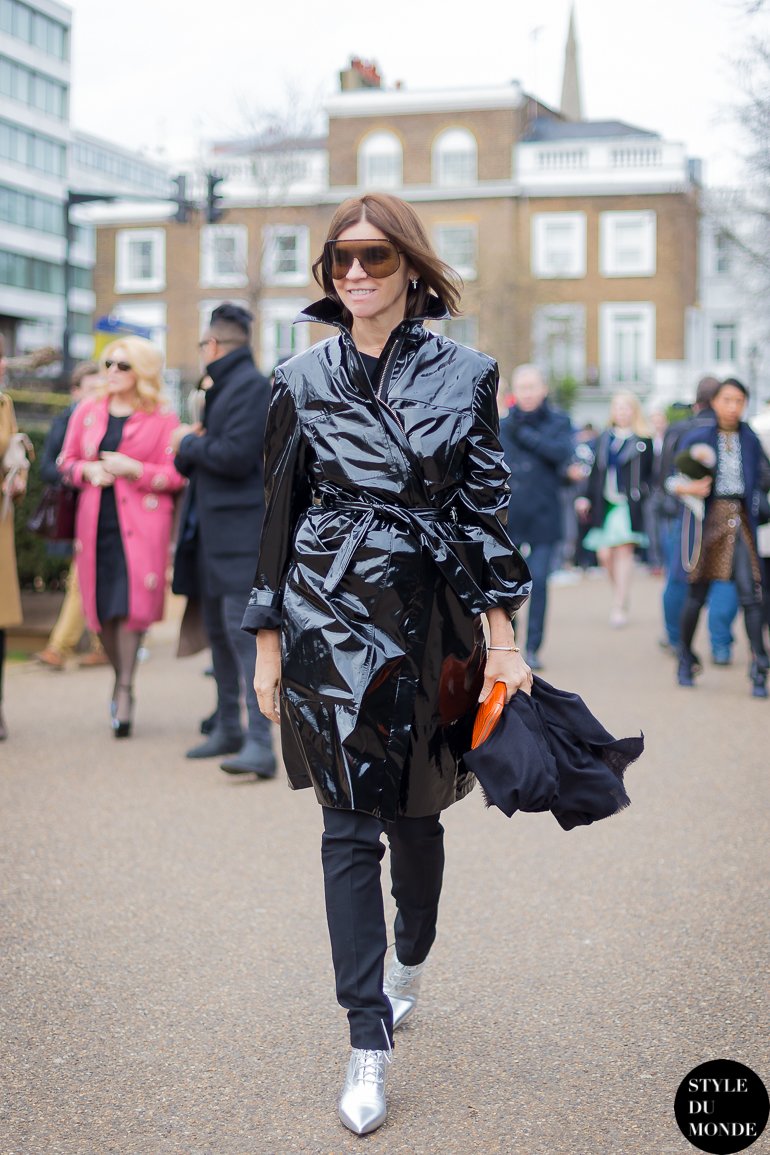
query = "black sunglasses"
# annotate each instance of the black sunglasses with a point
(378, 258)
(123, 366)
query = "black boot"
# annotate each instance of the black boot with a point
(688, 667)
(758, 675)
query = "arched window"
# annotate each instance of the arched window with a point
(454, 157)
(380, 161)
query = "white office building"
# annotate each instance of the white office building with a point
(41, 159)
(34, 146)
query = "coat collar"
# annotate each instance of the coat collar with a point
(223, 365)
(709, 431)
(329, 312)
(631, 448)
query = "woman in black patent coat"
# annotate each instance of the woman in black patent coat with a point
(383, 543)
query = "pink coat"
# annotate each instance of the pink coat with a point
(145, 507)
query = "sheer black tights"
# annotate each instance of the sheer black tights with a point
(122, 648)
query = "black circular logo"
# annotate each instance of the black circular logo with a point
(722, 1107)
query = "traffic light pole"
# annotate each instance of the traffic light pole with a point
(73, 198)
(69, 236)
(184, 207)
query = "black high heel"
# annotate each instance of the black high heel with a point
(120, 728)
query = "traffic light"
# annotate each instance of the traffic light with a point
(180, 199)
(213, 198)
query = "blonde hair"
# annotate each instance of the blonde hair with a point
(146, 360)
(639, 424)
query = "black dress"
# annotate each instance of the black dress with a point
(111, 572)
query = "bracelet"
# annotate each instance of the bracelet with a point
(509, 649)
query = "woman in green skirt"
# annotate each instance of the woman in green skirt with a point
(616, 490)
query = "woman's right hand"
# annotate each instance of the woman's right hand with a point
(96, 474)
(694, 488)
(267, 673)
(582, 507)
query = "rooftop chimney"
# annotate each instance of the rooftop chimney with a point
(359, 74)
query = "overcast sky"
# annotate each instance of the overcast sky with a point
(164, 75)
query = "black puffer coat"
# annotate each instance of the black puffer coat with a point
(384, 540)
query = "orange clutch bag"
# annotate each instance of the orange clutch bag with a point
(488, 714)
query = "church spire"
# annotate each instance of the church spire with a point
(571, 104)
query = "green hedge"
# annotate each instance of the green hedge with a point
(38, 569)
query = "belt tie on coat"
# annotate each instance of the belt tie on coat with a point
(423, 522)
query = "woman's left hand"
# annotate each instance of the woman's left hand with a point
(509, 667)
(120, 465)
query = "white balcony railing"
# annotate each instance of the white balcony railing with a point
(607, 162)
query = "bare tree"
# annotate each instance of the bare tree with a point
(742, 213)
(268, 154)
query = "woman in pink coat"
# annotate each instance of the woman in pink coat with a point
(118, 453)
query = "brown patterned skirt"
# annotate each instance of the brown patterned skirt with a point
(725, 519)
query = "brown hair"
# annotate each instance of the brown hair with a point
(400, 224)
(81, 370)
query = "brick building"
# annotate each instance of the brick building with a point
(577, 240)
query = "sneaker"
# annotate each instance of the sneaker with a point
(563, 577)
(362, 1107)
(722, 656)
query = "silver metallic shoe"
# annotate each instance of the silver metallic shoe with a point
(402, 986)
(362, 1107)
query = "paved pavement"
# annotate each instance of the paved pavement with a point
(167, 987)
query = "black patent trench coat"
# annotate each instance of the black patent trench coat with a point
(383, 541)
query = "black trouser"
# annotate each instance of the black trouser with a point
(765, 564)
(749, 596)
(2, 661)
(351, 852)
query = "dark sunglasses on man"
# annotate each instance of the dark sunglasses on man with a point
(378, 258)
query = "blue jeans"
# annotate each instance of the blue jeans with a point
(539, 562)
(722, 600)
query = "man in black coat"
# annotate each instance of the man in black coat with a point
(221, 527)
(538, 446)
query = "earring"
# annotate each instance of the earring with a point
(414, 282)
